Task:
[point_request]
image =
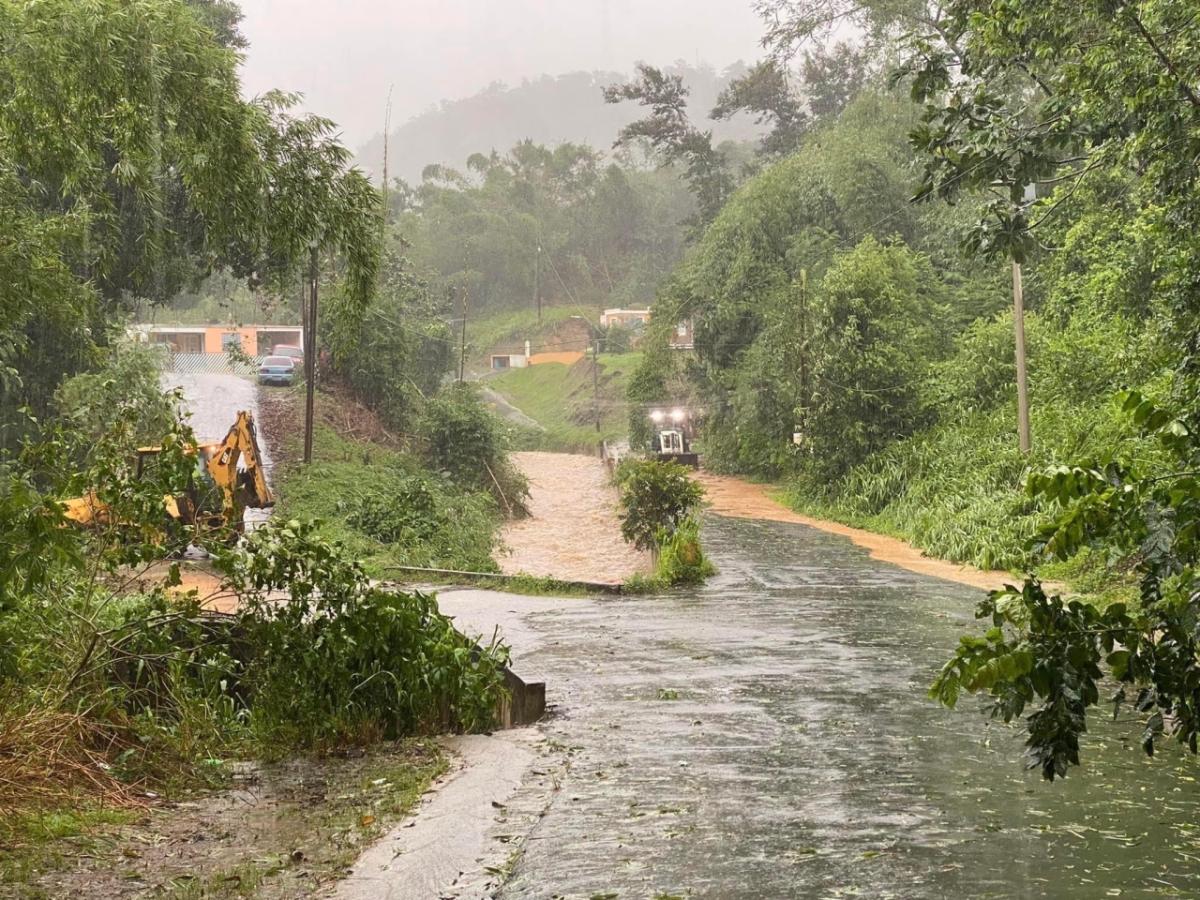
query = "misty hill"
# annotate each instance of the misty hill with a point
(548, 110)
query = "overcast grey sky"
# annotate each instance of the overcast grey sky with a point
(343, 54)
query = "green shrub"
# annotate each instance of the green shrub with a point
(344, 660)
(406, 514)
(656, 499)
(464, 440)
(681, 559)
(125, 389)
(377, 502)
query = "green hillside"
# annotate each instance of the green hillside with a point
(560, 399)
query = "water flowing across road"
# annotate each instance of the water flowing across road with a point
(768, 735)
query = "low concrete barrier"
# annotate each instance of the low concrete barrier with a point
(524, 704)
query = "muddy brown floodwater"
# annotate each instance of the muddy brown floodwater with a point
(572, 532)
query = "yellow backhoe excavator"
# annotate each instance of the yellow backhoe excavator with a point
(219, 493)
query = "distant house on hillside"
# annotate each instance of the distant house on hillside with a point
(625, 318)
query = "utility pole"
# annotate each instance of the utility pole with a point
(537, 293)
(1024, 438)
(310, 353)
(805, 396)
(596, 382)
(462, 354)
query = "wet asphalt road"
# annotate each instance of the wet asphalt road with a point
(768, 736)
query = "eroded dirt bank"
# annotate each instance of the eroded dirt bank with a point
(740, 499)
(572, 532)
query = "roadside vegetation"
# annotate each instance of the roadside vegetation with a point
(395, 501)
(659, 507)
(118, 681)
(119, 685)
(858, 348)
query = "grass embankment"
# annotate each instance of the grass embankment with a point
(375, 497)
(299, 826)
(956, 492)
(560, 398)
(515, 327)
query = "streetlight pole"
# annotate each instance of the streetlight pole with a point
(310, 353)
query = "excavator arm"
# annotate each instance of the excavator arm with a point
(240, 489)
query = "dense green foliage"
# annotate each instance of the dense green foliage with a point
(1067, 133)
(659, 512)
(128, 173)
(344, 659)
(680, 557)
(1050, 653)
(94, 623)
(130, 170)
(555, 226)
(388, 509)
(462, 439)
(821, 299)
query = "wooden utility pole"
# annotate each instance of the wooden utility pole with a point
(805, 395)
(462, 353)
(1024, 438)
(310, 354)
(596, 382)
(537, 293)
(383, 194)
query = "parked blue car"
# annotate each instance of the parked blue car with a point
(279, 370)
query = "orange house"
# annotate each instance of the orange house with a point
(255, 340)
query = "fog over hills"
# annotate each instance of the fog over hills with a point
(548, 109)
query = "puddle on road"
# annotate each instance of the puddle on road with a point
(769, 736)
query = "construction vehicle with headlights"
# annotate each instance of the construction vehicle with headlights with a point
(228, 479)
(672, 443)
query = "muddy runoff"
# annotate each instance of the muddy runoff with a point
(769, 736)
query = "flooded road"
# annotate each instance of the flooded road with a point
(213, 401)
(572, 531)
(769, 736)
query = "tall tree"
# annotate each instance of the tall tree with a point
(765, 92)
(122, 126)
(669, 131)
